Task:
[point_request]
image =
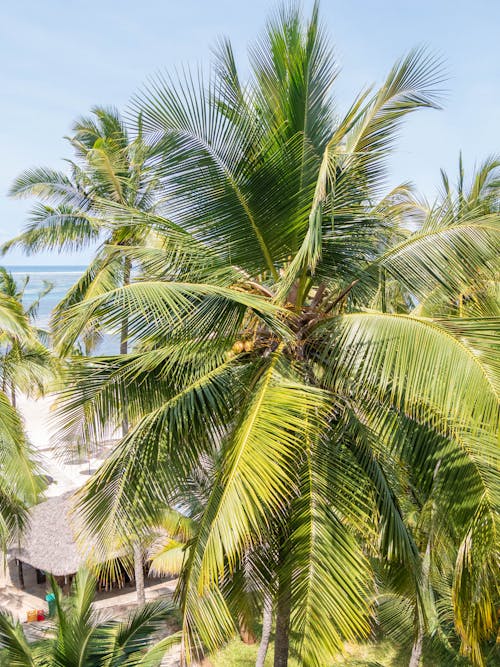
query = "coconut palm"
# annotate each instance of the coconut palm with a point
(478, 198)
(257, 340)
(80, 637)
(24, 363)
(110, 165)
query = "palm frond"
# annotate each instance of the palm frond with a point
(247, 494)
(415, 363)
(62, 228)
(449, 256)
(14, 641)
(331, 577)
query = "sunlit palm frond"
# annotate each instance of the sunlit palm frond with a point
(61, 228)
(330, 575)
(13, 320)
(14, 641)
(476, 589)
(270, 431)
(149, 461)
(415, 363)
(158, 308)
(354, 159)
(47, 184)
(448, 257)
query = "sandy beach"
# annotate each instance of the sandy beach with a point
(66, 474)
(38, 419)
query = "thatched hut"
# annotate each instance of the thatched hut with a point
(49, 546)
(48, 543)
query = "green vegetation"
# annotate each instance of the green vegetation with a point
(364, 655)
(25, 365)
(308, 380)
(238, 653)
(383, 653)
(79, 637)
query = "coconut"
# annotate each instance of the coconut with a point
(238, 347)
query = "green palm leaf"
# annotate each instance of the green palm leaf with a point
(330, 575)
(415, 363)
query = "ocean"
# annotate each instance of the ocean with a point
(62, 278)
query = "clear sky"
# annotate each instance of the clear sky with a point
(60, 57)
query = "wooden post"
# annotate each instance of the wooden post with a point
(20, 573)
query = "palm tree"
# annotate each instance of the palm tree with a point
(258, 340)
(24, 364)
(110, 166)
(479, 198)
(436, 530)
(79, 637)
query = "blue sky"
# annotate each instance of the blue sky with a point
(60, 57)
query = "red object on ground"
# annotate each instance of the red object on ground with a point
(40, 615)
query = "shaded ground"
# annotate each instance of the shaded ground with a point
(116, 603)
(380, 655)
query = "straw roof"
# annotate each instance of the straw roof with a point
(48, 543)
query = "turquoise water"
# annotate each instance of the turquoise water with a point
(62, 278)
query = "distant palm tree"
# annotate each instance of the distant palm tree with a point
(25, 365)
(273, 329)
(472, 198)
(109, 166)
(79, 637)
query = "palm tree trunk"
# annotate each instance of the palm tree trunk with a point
(13, 395)
(383, 291)
(139, 574)
(283, 612)
(124, 341)
(416, 651)
(267, 622)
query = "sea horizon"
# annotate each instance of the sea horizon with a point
(61, 277)
(52, 268)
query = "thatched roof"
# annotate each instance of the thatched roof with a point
(49, 541)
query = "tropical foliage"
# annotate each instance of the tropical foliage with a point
(78, 637)
(25, 365)
(107, 165)
(330, 348)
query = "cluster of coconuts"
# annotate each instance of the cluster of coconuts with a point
(242, 346)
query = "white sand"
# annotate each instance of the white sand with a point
(38, 424)
(67, 477)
